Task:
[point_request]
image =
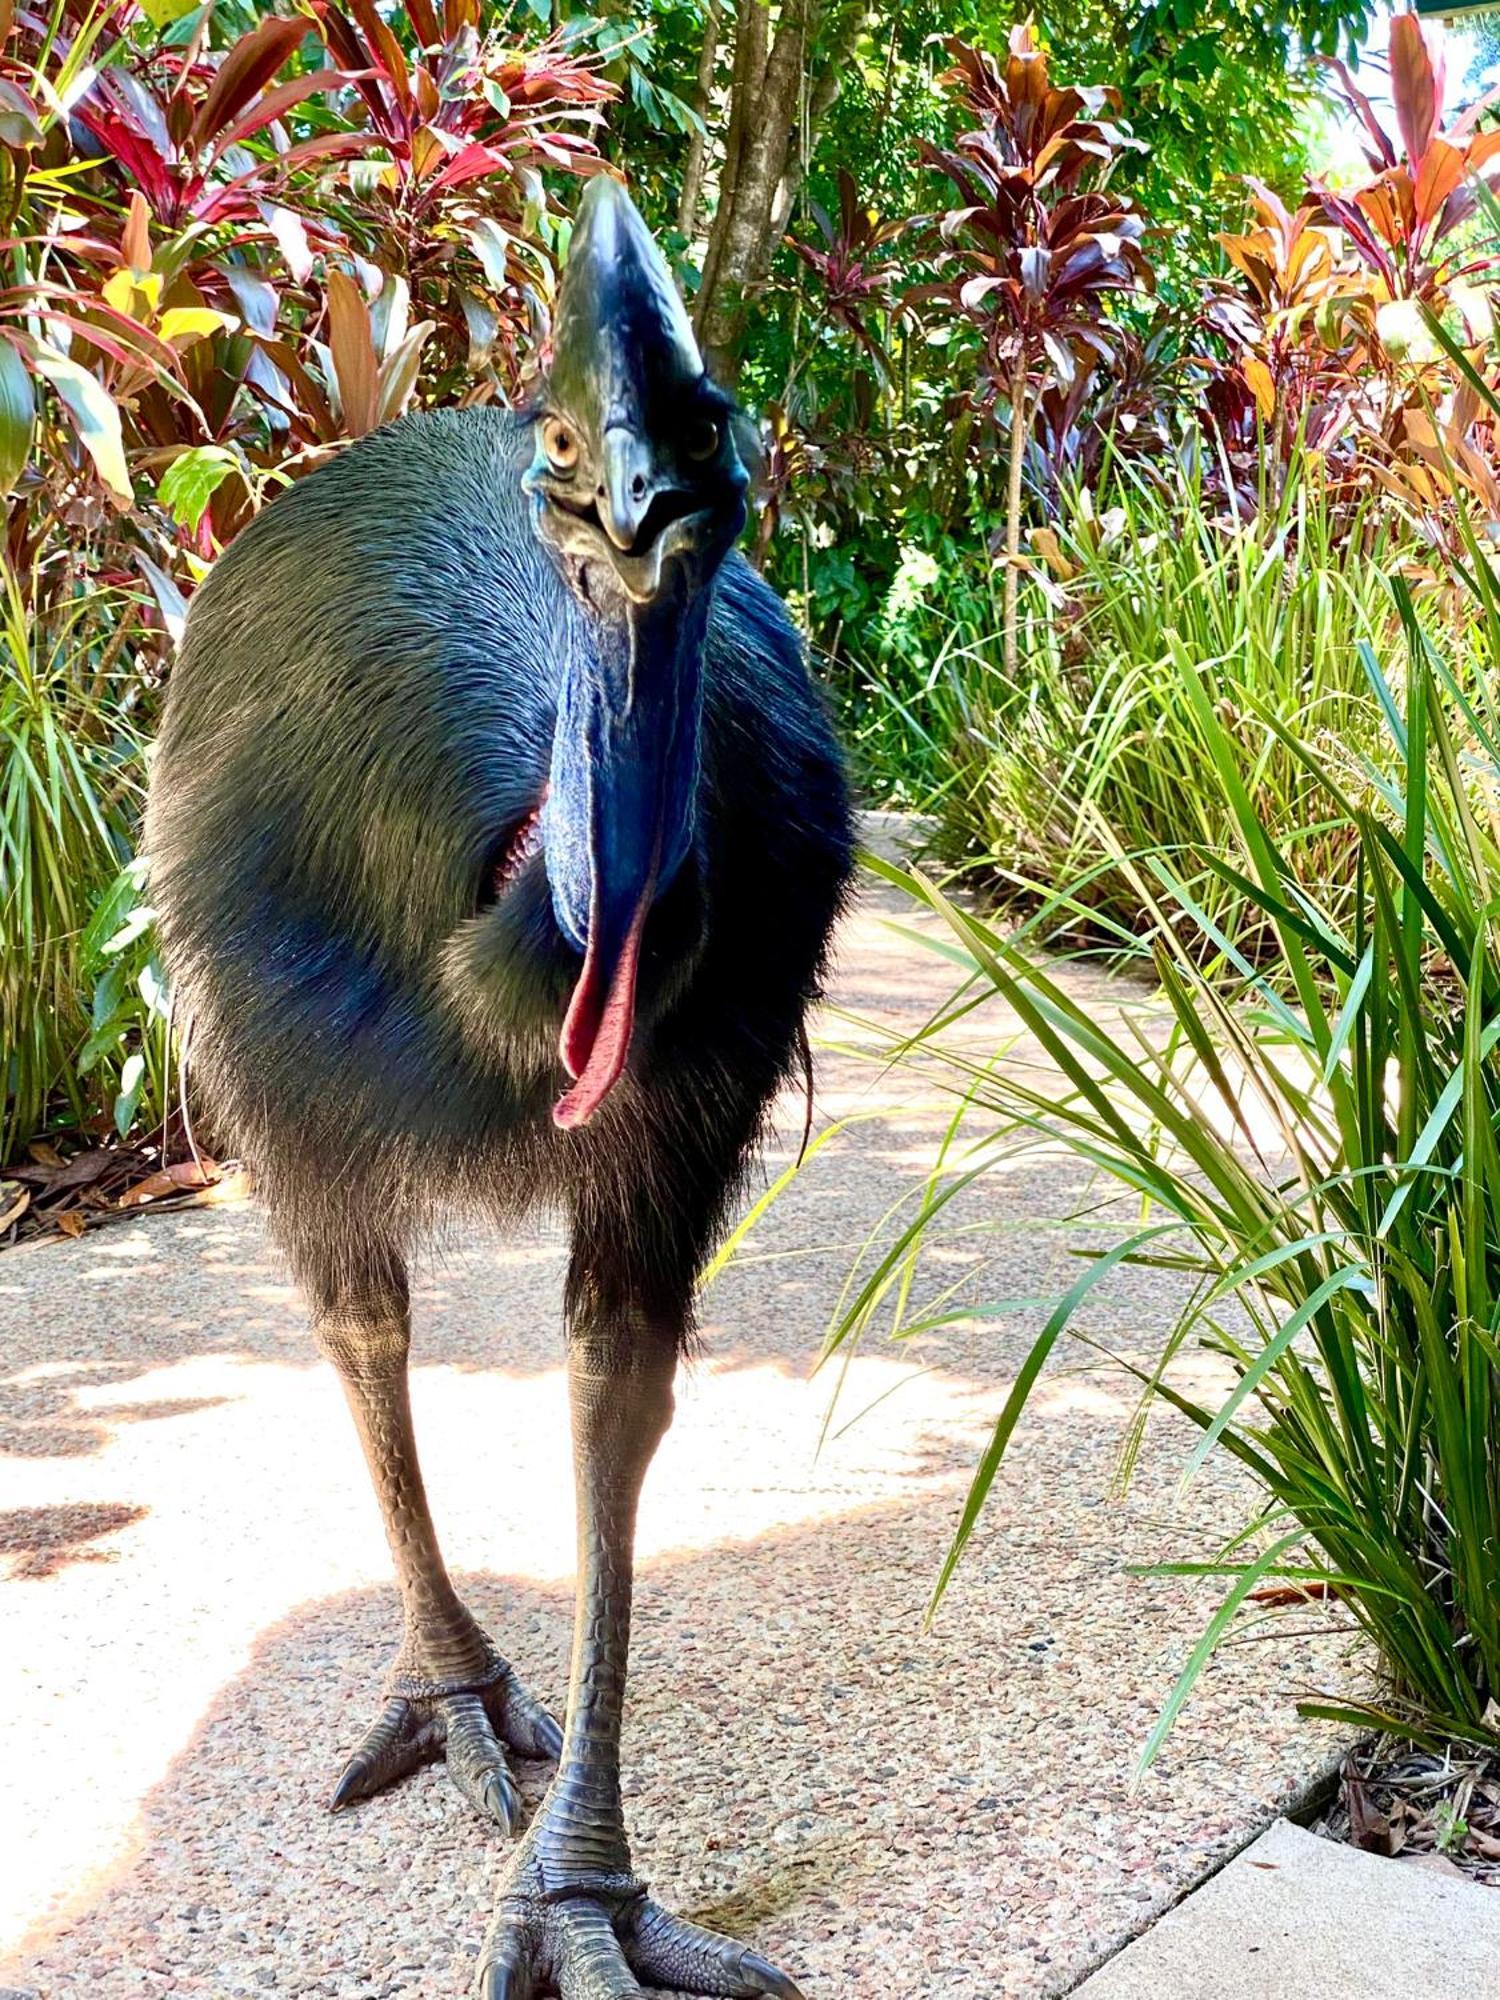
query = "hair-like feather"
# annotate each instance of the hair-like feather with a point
(361, 719)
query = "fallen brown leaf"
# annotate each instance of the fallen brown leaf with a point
(72, 1224)
(187, 1174)
(14, 1202)
(1291, 1593)
(1369, 1828)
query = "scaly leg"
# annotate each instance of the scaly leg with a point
(572, 1918)
(449, 1692)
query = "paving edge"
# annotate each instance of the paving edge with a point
(1300, 1805)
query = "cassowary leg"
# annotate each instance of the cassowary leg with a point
(449, 1691)
(572, 1917)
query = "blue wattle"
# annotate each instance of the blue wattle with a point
(620, 806)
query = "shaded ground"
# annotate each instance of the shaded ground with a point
(197, 1610)
(1442, 1810)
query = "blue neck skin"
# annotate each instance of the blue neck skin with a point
(619, 815)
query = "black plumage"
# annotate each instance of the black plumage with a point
(360, 720)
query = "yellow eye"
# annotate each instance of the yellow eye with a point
(559, 443)
(703, 439)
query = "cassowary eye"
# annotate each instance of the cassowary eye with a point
(560, 445)
(703, 439)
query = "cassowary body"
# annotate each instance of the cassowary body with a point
(497, 834)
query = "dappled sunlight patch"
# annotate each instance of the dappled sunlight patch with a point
(232, 1491)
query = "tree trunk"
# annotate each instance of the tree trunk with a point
(779, 96)
(739, 242)
(1020, 423)
(746, 82)
(697, 153)
(832, 59)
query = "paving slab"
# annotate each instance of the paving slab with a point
(198, 1607)
(1295, 1916)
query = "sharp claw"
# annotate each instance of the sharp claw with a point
(390, 1749)
(549, 1736)
(499, 1799)
(350, 1784)
(774, 1984)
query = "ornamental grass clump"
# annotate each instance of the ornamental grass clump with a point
(1312, 1146)
(81, 1025)
(1095, 754)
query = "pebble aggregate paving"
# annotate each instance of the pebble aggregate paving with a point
(197, 1607)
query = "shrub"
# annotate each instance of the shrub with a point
(1313, 1146)
(222, 263)
(1093, 754)
(74, 1025)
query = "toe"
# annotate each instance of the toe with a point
(476, 1761)
(669, 1951)
(590, 1963)
(397, 1743)
(505, 1970)
(530, 1729)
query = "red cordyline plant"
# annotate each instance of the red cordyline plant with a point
(859, 285)
(170, 128)
(217, 270)
(464, 123)
(1292, 381)
(1403, 224)
(1330, 344)
(1036, 247)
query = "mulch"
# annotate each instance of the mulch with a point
(1443, 1810)
(51, 1193)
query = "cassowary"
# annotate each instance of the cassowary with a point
(497, 834)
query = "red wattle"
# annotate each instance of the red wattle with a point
(596, 1033)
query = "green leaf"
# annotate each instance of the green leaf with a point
(95, 415)
(17, 416)
(491, 247)
(19, 126)
(191, 481)
(132, 1082)
(1015, 1402)
(163, 13)
(185, 26)
(139, 921)
(1217, 1626)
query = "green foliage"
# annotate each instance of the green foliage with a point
(77, 1030)
(1094, 755)
(1312, 1146)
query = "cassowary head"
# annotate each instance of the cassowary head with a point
(637, 467)
(638, 486)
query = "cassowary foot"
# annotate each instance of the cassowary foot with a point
(471, 1727)
(603, 1938)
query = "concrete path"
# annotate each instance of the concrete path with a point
(1295, 1916)
(198, 1609)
